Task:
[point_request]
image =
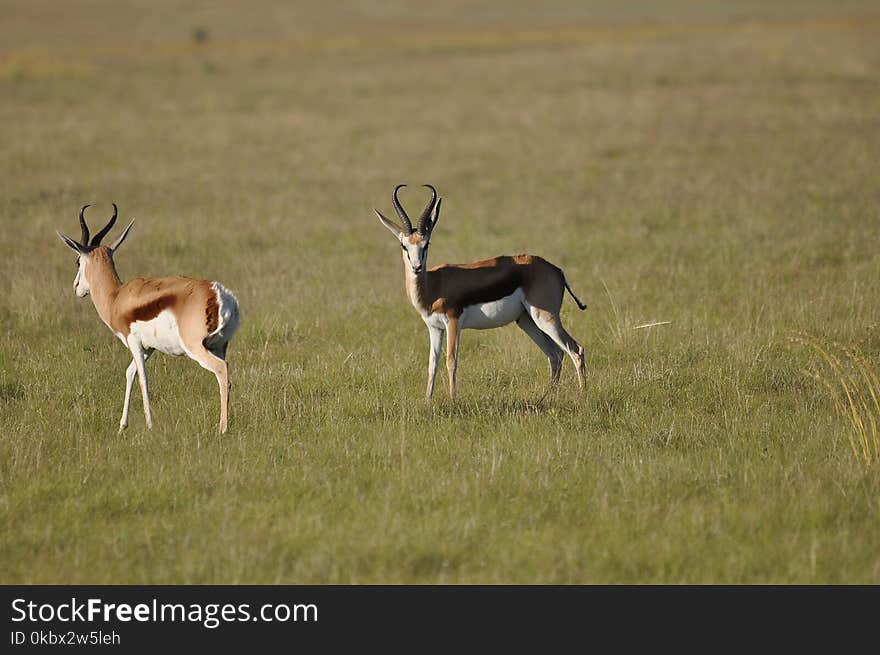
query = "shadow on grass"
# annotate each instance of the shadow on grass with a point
(10, 391)
(552, 400)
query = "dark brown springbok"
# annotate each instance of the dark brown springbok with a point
(525, 289)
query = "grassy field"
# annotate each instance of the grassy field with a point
(683, 161)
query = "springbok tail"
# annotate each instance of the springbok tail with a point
(580, 305)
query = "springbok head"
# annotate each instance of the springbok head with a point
(414, 242)
(87, 250)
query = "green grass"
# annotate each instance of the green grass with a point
(682, 162)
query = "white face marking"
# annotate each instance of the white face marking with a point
(159, 333)
(415, 254)
(80, 283)
(497, 313)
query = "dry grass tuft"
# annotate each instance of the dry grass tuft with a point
(854, 387)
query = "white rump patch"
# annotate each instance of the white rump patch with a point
(228, 319)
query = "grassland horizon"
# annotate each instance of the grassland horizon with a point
(708, 171)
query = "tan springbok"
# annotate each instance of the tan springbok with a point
(174, 315)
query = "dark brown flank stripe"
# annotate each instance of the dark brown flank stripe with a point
(151, 309)
(212, 311)
(500, 277)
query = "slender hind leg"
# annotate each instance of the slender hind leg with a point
(551, 325)
(554, 353)
(217, 365)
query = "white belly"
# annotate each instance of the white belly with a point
(159, 333)
(493, 314)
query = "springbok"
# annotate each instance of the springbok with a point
(175, 315)
(482, 295)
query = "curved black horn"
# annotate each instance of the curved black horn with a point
(399, 208)
(96, 241)
(85, 228)
(425, 219)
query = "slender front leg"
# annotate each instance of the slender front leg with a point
(140, 360)
(130, 372)
(452, 339)
(436, 336)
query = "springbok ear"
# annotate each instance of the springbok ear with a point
(436, 214)
(392, 227)
(113, 246)
(70, 243)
